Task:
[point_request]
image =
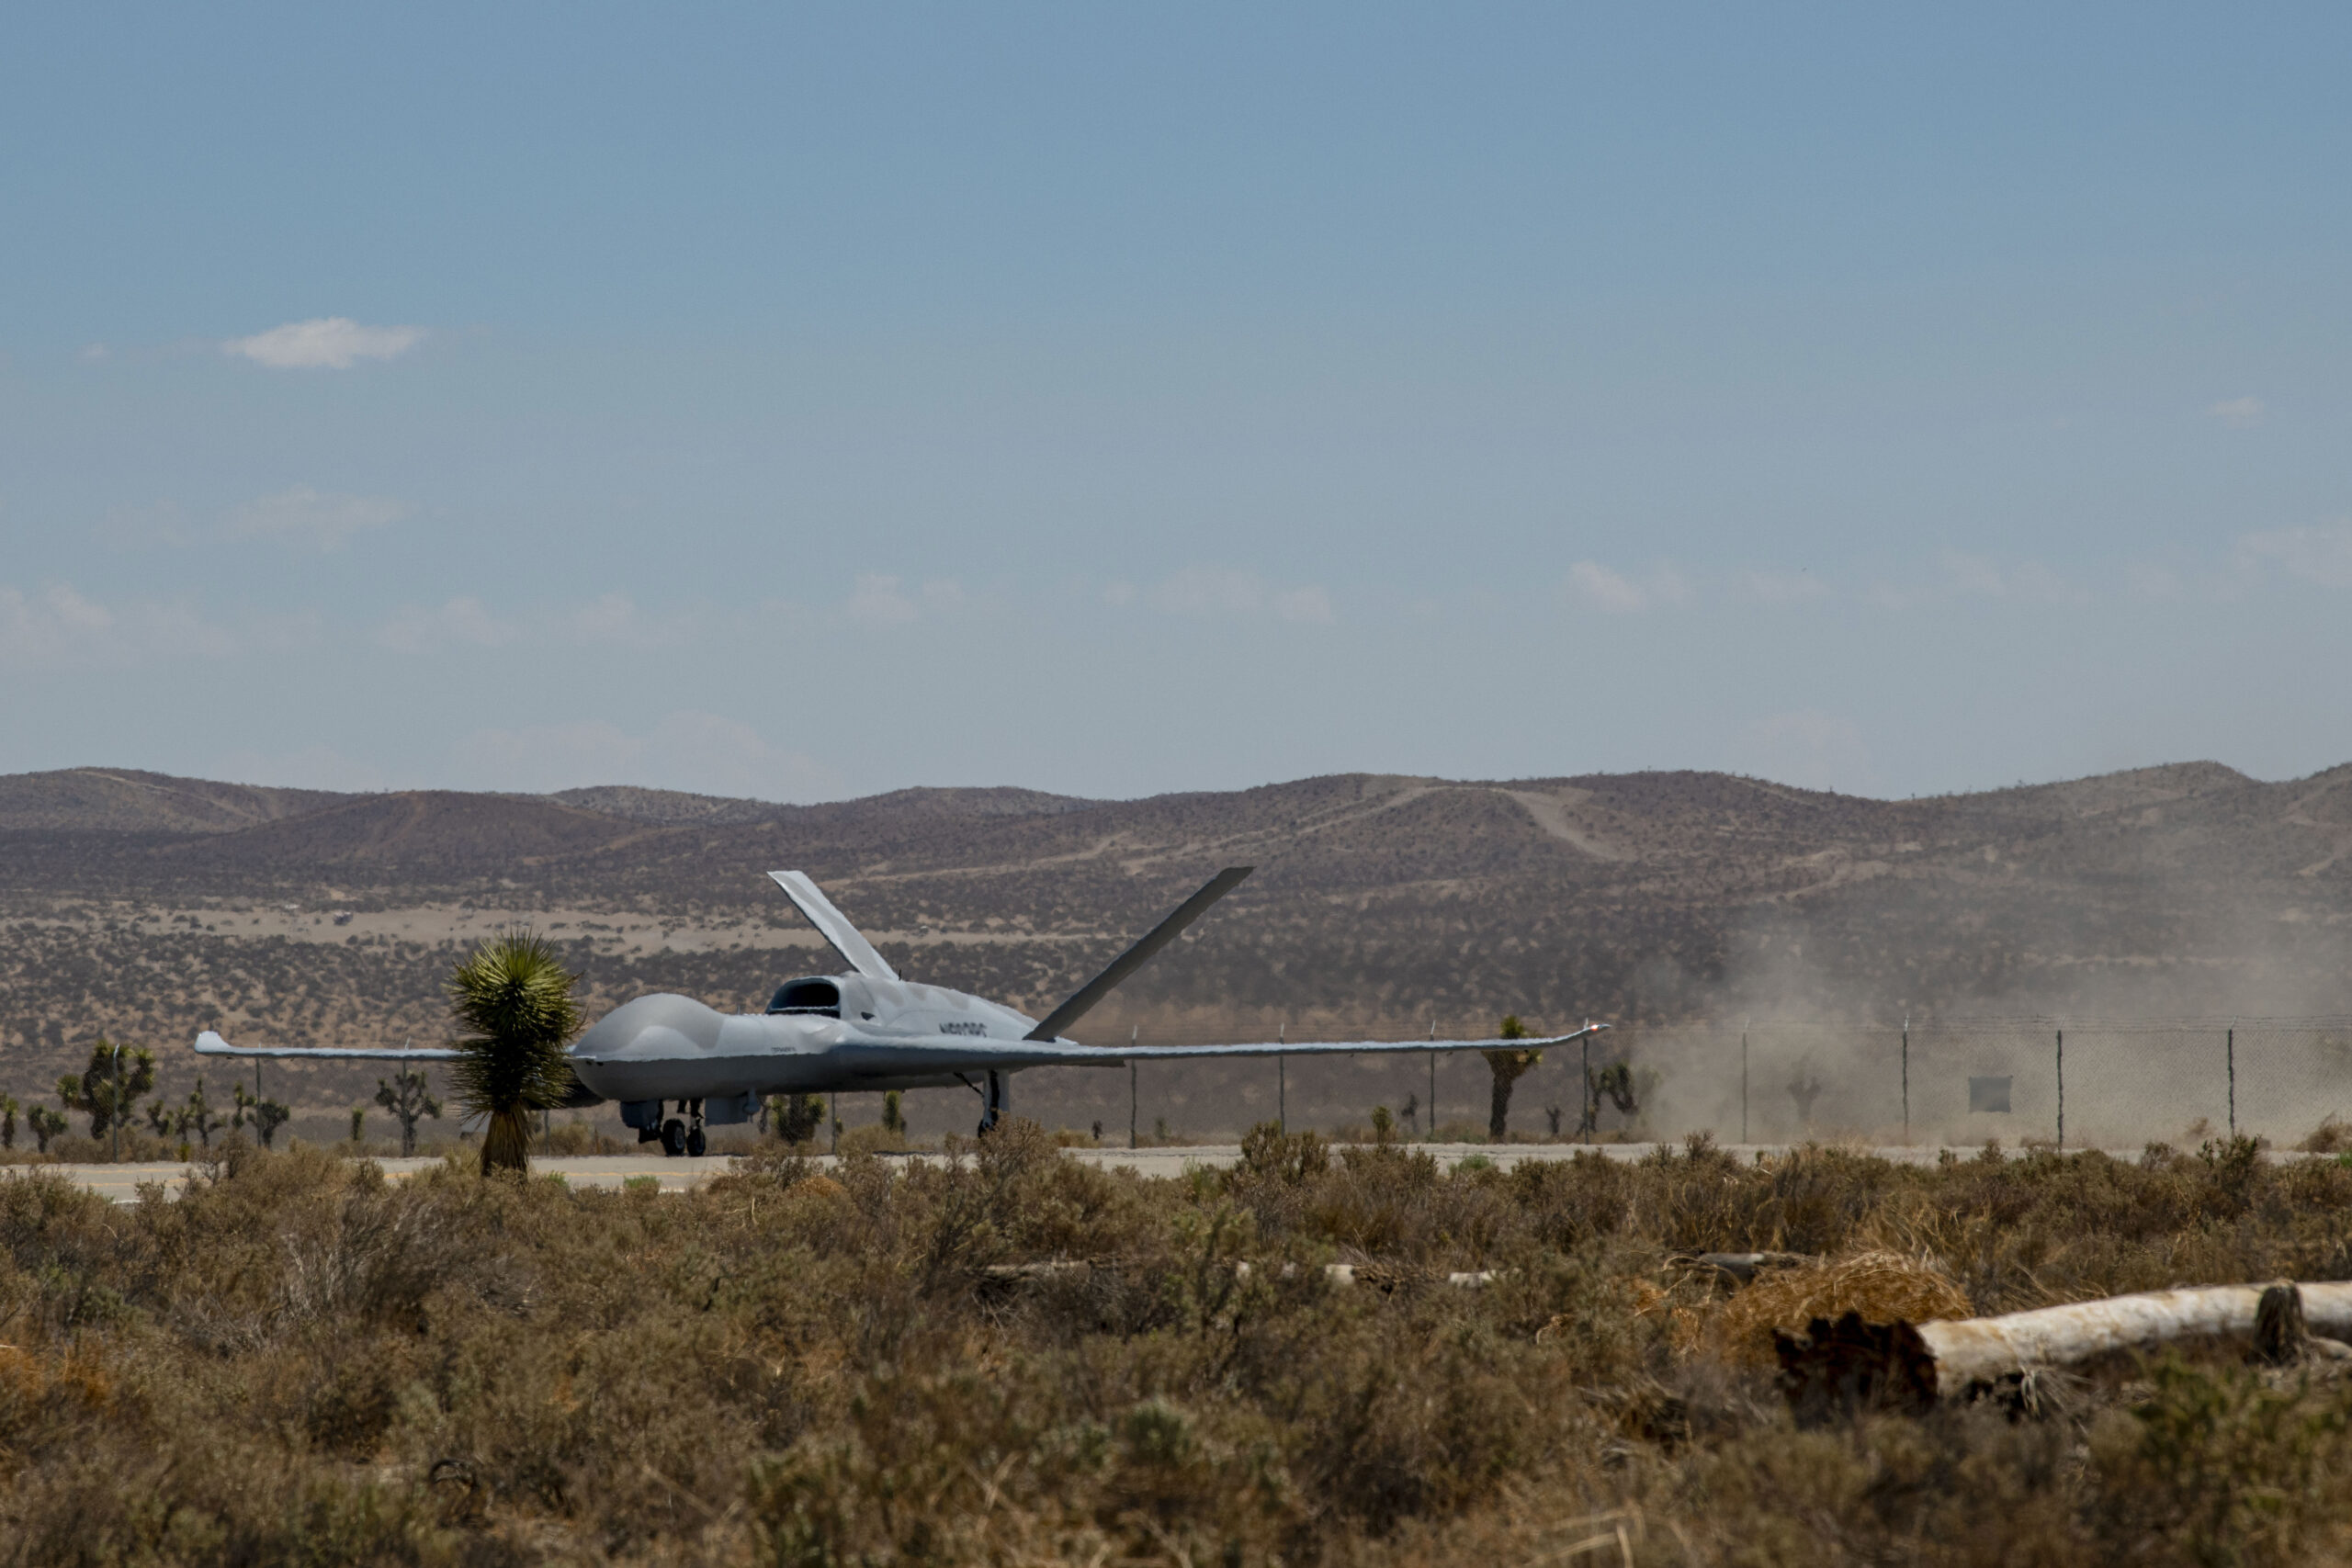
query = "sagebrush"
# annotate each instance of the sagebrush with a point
(299, 1361)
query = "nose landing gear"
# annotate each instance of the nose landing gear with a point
(679, 1138)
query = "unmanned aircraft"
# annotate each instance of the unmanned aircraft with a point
(867, 1030)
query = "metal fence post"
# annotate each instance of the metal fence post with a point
(1432, 1081)
(2231, 1048)
(1133, 1033)
(1281, 1083)
(1743, 1080)
(1591, 1101)
(2062, 1091)
(1906, 1079)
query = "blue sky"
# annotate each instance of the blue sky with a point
(805, 402)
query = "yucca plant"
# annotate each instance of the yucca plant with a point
(1509, 1067)
(511, 1000)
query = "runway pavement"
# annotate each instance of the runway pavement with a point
(121, 1183)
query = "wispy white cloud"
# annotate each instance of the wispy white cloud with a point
(2238, 414)
(463, 622)
(58, 628)
(1225, 593)
(613, 620)
(703, 752)
(1210, 591)
(880, 600)
(322, 520)
(609, 620)
(1307, 606)
(1608, 590)
(2320, 555)
(2152, 581)
(323, 343)
(94, 353)
(2026, 582)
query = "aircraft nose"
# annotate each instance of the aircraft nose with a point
(651, 1028)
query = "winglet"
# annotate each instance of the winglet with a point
(833, 925)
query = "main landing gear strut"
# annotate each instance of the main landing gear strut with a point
(996, 1100)
(678, 1137)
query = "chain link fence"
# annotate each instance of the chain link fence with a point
(1955, 1082)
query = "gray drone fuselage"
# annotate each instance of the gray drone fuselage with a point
(823, 1034)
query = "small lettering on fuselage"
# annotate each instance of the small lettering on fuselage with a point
(963, 1028)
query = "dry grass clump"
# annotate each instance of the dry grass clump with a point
(2331, 1136)
(1884, 1287)
(1000, 1355)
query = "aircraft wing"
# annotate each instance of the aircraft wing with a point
(847, 939)
(1083, 1001)
(885, 1057)
(1341, 1047)
(210, 1045)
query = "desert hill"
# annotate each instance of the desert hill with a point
(151, 906)
(124, 800)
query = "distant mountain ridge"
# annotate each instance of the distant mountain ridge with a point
(126, 800)
(1381, 901)
(122, 800)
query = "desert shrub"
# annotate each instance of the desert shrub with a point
(2331, 1136)
(2223, 1465)
(999, 1354)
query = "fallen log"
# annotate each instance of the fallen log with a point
(1847, 1365)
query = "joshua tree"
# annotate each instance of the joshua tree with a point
(404, 1095)
(1507, 1067)
(266, 1115)
(798, 1116)
(1614, 1083)
(512, 999)
(162, 1118)
(1383, 1124)
(1804, 1088)
(895, 1121)
(8, 1108)
(45, 1124)
(117, 1076)
(358, 1122)
(196, 1116)
(1411, 1113)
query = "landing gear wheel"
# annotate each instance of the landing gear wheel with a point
(674, 1137)
(695, 1143)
